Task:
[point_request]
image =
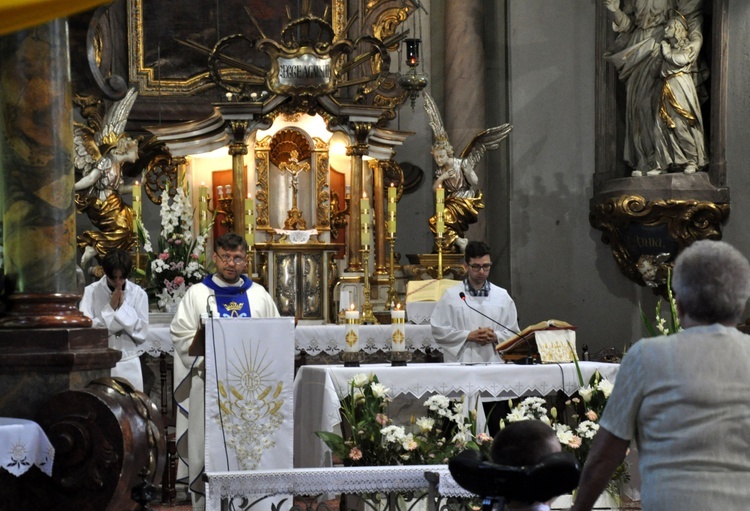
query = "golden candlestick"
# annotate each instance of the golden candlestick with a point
(368, 318)
(392, 300)
(439, 243)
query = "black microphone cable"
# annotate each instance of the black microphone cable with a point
(530, 358)
(216, 376)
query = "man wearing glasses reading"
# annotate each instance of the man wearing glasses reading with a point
(227, 293)
(458, 324)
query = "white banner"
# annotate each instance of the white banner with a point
(249, 394)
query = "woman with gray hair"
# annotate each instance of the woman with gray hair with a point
(684, 397)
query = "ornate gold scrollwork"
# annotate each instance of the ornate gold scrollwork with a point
(645, 236)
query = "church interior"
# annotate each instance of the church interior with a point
(308, 127)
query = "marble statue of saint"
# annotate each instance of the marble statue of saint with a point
(637, 55)
(100, 152)
(679, 132)
(463, 199)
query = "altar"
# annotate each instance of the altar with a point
(318, 389)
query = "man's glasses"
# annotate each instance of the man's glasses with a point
(482, 267)
(226, 259)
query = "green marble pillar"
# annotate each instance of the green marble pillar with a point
(36, 119)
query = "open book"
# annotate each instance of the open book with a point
(547, 341)
(428, 290)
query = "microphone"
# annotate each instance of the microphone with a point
(462, 296)
(529, 359)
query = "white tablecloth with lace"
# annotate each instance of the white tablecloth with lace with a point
(315, 339)
(317, 481)
(318, 389)
(311, 339)
(24, 444)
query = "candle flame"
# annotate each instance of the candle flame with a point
(364, 195)
(351, 307)
(398, 306)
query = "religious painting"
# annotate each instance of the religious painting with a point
(161, 64)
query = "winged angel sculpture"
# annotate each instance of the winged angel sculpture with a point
(463, 199)
(100, 150)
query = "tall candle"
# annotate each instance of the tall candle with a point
(391, 224)
(364, 205)
(439, 220)
(203, 208)
(351, 318)
(398, 329)
(249, 221)
(136, 205)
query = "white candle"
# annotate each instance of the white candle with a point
(391, 222)
(398, 330)
(203, 208)
(364, 204)
(351, 336)
(249, 221)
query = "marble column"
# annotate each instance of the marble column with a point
(360, 132)
(464, 83)
(238, 150)
(43, 348)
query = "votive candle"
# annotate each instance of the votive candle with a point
(351, 336)
(398, 329)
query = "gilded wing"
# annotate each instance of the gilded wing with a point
(436, 123)
(114, 121)
(86, 150)
(487, 140)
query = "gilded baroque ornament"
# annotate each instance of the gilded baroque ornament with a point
(645, 236)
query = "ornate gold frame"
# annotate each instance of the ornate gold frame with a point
(147, 77)
(674, 224)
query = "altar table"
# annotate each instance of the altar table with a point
(318, 389)
(24, 444)
(311, 339)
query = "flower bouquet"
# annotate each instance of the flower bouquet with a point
(578, 423)
(370, 437)
(660, 325)
(179, 261)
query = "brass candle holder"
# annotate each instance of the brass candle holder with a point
(439, 243)
(392, 299)
(368, 318)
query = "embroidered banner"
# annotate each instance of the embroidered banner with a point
(249, 393)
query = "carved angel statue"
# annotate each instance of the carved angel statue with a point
(100, 150)
(463, 199)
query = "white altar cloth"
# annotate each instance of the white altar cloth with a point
(318, 390)
(24, 444)
(314, 339)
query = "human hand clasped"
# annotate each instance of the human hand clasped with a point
(482, 336)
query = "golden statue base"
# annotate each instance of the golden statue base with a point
(352, 358)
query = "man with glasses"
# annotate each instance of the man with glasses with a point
(227, 293)
(459, 322)
(122, 308)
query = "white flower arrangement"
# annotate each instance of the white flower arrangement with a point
(179, 263)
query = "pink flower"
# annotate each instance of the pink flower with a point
(575, 442)
(591, 415)
(483, 437)
(178, 280)
(355, 454)
(164, 256)
(194, 256)
(381, 419)
(178, 242)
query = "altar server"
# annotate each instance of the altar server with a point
(473, 315)
(683, 397)
(122, 308)
(227, 293)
